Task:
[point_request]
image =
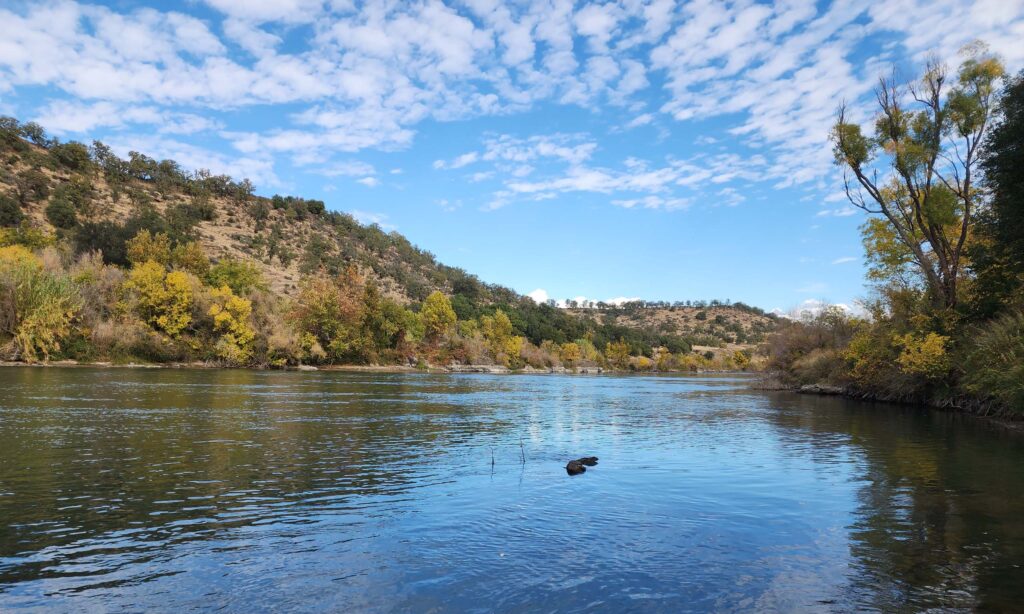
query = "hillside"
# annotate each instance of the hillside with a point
(88, 200)
(706, 324)
(288, 237)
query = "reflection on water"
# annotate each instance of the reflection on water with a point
(169, 490)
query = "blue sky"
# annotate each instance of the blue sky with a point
(646, 148)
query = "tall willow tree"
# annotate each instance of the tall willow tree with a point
(918, 171)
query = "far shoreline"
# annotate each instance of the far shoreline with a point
(433, 369)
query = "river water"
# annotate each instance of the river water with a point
(244, 491)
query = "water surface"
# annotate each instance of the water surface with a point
(179, 490)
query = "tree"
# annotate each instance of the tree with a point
(239, 275)
(617, 354)
(384, 321)
(998, 257)
(231, 317)
(329, 313)
(162, 299)
(72, 155)
(497, 330)
(438, 316)
(928, 196)
(570, 353)
(34, 132)
(33, 184)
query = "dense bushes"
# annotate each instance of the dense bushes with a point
(10, 211)
(994, 366)
(36, 306)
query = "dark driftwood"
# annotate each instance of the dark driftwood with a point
(576, 467)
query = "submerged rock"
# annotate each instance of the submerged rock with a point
(576, 467)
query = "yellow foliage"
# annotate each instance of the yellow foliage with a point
(26, 235)
(740, 359)
(513, 351)
(570, 353)
(18, 256)
(663, 359)
(643, 363)
(162, 299)
(191, 257)
(438, 316)
(144, 247)
(497, 329)
(36, 307)
(617, 354)
(231, 317)
(923, 355)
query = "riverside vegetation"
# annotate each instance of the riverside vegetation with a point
(137, 260)
(942, 177)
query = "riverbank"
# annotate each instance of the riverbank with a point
(965, 406)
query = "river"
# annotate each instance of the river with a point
(242, 491)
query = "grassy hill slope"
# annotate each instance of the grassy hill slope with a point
(91, 201)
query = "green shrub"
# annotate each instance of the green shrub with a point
(79, 192)
(10, 211)
(61, 213)
(994, 365)
(239, 275)
(33, 184)
(72, 155)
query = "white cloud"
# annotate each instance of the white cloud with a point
(260, 170)
(370, 182)
(367, 75)
(539, 296)
(459, 161)
(348, 168)
(844, 260)
(840, 212)
(269, 10)
(812, 308)
(65, 116)
(369, 217)
(640, 120)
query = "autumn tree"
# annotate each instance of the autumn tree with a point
(617, 354)
(162, 299)
(918, 170)
(570, 353)
(329, 313)
(146, 246)
(231, 318)
(497, 330)
(438, 316)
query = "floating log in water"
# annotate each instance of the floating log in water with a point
(576, 467)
